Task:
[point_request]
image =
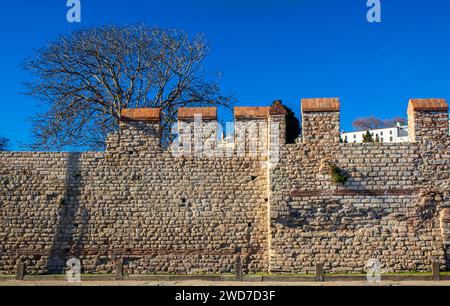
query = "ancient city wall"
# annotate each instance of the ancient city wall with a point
(137, 203)
(159, 212)
(389, 208)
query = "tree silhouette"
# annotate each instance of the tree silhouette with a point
(367, 137)
(87, 77)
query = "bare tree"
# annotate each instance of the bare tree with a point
(367, 123)
(393, 122)
(86, 78)
(3, 143)
(372, 123)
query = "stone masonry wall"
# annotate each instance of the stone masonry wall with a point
(445, 226)
(158, 213)
(383, 211)
(197, 143)
(321, 127)
(139, 204)
(252, 136)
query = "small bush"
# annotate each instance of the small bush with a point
(337, 175)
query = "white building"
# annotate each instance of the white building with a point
(398, 133)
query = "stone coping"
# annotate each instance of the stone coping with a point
(252, 112)
(428, 105)
(141, 114)
(208, 113)
(321, 105)
(259, 112)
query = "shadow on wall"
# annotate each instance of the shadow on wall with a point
(64, 244)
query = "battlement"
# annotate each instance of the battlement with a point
(198, 130)
(321, 105)
(139, 130)
(281, 208)
(321, 120)
(427, 120)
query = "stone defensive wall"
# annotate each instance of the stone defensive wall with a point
(280, 208)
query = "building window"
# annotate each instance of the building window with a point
(390, 132)
(381, 133)
(381, 139)
(354, 136)
(392, 139)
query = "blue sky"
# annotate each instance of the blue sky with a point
(265, 49)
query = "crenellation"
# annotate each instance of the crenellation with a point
(139, 130)
(321, 120)
(428, 120)
(197, 130)
(157, 212)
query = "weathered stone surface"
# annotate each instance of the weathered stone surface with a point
(139, 204)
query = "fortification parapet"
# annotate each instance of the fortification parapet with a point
(197, 129)
(320, 120)
(139, 130)
(427, 119)
(318, 201)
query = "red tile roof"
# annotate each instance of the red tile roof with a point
(251, 112)
(277, 109)
(428, 104)
(321, 105)
(190, 112)
(140, 114)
